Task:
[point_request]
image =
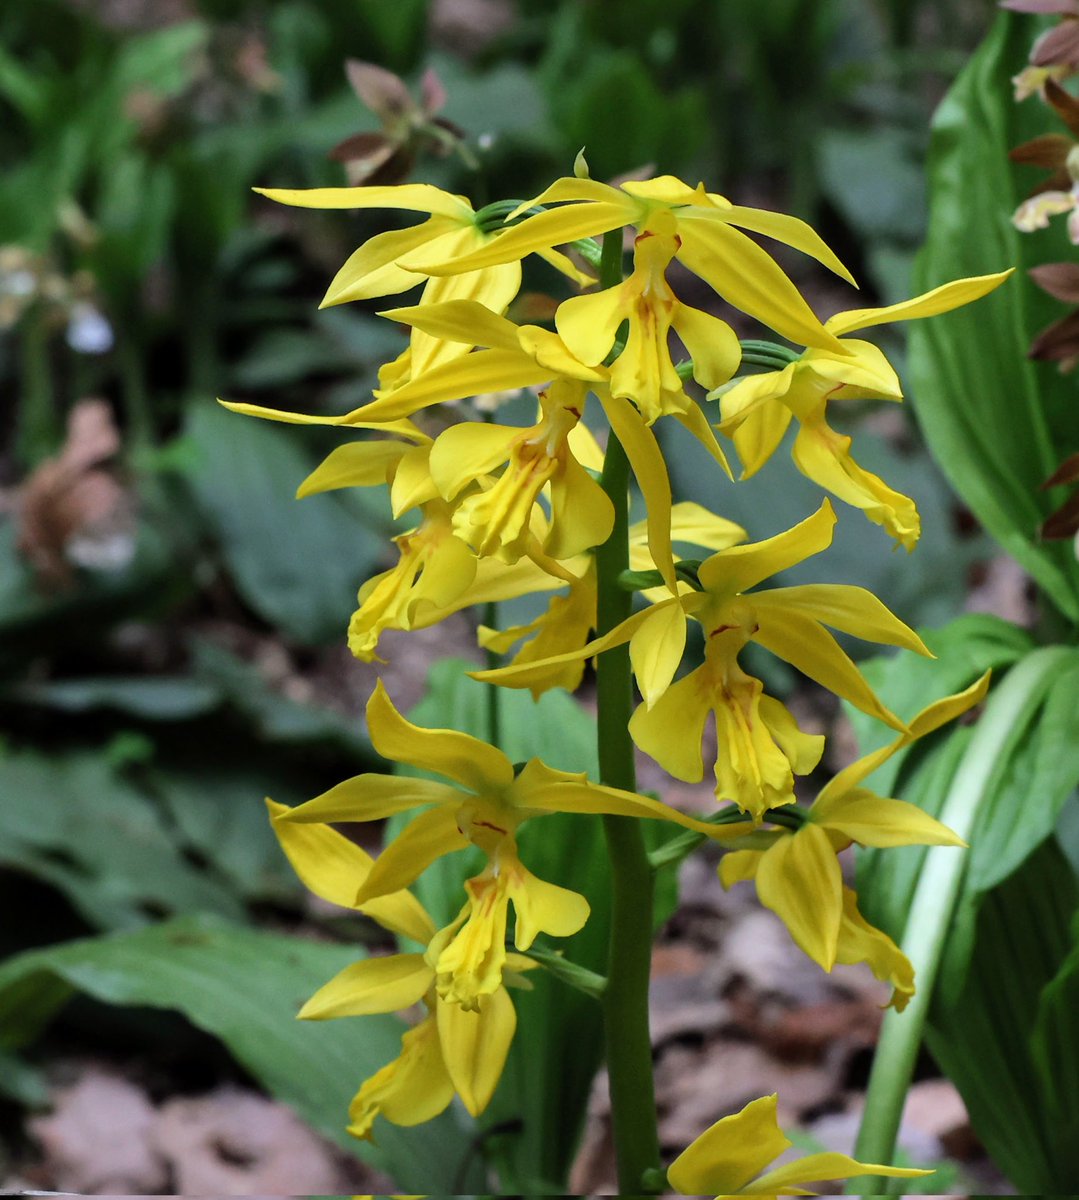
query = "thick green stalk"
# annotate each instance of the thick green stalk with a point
(935, 896)
(625, 1000)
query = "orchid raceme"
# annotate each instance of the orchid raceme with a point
(760, 745)
(453, 229)
(449, 1051)
(733, 1156)
(797, 873)
(711, 243)
(757, 410)
(484, 807)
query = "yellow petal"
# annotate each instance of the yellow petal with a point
(871, 820)
(846, 607)
(712, 344)
(548, 349)
(792, 232)
(582, 515)
(355, 464)
(277, 414)
(656, 649)
(412, 483)
(465, 321)
(571, 188)
(332, 867)
(458, 756)
(731, 1153)
(491, 289)
(928, 304)
(748, 394)
(738, 866)
(817, 1167)
(741, 567)
(419, 197)
(697, 423)
(588, 324)
(824, 456)
(375, 985)
(805, 644)
(370, 797)
(372, 270)
(465, 451)
(861, 942)
(543, 907)
(669, 189)
(425, 838)
(749, 278)
(475, 1046)
(552, 228)
(650, 470)
(799, 880)
(672, 729)
(693, 523)
(802, 750)
(408, 1091)
(567, 267)
(757, 436)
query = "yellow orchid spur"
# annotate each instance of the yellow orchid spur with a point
(450, 1051)
(733, 1157)
(760, 747)
(757, 410)
(797, 873)
(484, 805)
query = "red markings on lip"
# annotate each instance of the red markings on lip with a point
(489, 825)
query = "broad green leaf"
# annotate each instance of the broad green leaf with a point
(151, 697)
(982, 1040)
(244, 988)
(76, 822)
(298, 564)
(995, 421)
(1055, 1047)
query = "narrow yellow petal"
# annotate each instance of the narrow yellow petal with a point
(741, 567)
(425, 838)
(693, 419)
(543, 907)
(332, 867)
(738, 866)
(799, 880)
(459, 321)
(475, 1046)
(418, 197)
(370, 797)
(588, 324)
(729, 1155)
(582, 515)
(757, 435)
(408, 1091)
(492, 290)
(458, 756)
(355, 464)
(656, 649)
(694, 524)
(671, 730)
(465, 451)
(792, 232)
(941, 299)
(940, 712)
(861, 942)
(712, 344)
(277, 414)
(412, 484)
(372, 270)
(871, 820)
(815, 1168)
(846, 607)
(375, 985)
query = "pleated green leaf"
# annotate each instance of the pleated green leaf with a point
(995, 421)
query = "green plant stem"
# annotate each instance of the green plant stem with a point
(625, 999)
(932, 909)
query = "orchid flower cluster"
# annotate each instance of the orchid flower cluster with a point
(508, 510)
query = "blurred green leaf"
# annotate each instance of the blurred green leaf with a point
(153, 698)
(297, 564)
(244, 988)
(995, 421)
(74, 821)
(21, 1082)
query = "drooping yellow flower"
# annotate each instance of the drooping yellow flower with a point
(450, 1051)
(711, 243)
(798, 875)
(732, 1159)
(760, 747)
(757, 411)
(452, 230)
(484, 806)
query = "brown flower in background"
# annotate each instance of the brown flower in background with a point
(71, 510)
(1058, 342)
(1055, 54)
(409, 128)
(1064, 523)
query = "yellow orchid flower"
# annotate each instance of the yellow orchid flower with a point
(448, 1052)
(760, 747)
(644, 372)
(797, 873)
(453, 229)
(484, 806)
(711, 243)
(567, 621)
(731, 1159)
(757, 411)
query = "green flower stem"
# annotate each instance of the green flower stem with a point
(930, 917)
(625, 998)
